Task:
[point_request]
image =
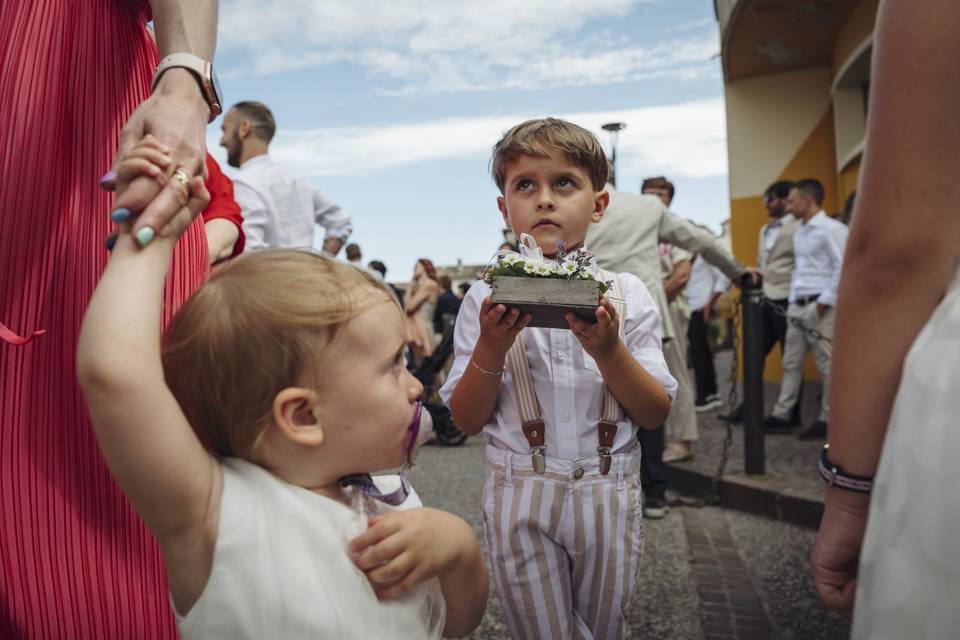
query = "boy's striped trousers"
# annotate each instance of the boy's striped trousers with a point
(564, 546)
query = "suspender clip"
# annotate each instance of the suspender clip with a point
(538, 459)
(605, 459)
(606, 432)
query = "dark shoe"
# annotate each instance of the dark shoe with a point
(817, 431)
(774, 425)
(734, 416)
(707, 404)
(654, 508)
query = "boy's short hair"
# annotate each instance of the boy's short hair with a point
(255, 328)
(658, 182)
(534, 137)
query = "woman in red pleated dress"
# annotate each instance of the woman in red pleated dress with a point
(75, 562)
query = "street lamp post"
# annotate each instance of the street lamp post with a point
(614, 129)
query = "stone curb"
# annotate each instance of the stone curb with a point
(738, 495)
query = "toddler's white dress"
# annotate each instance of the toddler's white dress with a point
(281, 570)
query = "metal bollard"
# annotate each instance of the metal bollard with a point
(753, 456)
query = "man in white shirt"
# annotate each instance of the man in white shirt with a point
(818, 246)
(279, 208)
(704, 287)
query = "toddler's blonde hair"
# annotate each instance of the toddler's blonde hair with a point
(256, 327)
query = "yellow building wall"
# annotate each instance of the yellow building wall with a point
(849, 178)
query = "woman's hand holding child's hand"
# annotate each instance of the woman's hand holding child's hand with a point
(152, 159)
(600, 338)
(500, 325)
(401, 549)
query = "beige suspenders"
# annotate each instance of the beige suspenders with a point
(531, 417)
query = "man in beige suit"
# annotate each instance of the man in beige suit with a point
(628, 239)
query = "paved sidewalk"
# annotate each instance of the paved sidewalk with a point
(790, 489)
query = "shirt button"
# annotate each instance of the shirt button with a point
(560, 356)
(566, 417)
(578, 473)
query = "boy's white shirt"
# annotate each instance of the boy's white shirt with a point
(566, 379)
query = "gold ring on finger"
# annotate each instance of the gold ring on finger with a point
(182, 179)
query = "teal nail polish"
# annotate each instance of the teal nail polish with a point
(145, 236)
(111, 242)
(119, 215)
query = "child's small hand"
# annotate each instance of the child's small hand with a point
(499, 325)
(402, 549)
(597, 339)
(149, 157)
(152, 159)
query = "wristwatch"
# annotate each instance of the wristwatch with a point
(837, 477)
(202, 71)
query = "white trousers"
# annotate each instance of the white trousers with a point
(795, 350)
(565, 546)
(681, 424)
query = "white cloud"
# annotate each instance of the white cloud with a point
(434, 46)
(683, 140)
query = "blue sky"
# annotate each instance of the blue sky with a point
(391, 108)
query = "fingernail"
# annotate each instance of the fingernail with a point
(108, 177)
(119, 215)
(145, 236)
(111, 242)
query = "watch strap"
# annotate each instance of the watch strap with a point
(202, 72)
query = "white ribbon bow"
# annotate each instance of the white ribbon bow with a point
(529, 249)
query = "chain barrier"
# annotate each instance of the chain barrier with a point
(713, 497)
(812, 334)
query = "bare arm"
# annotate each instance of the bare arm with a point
(222, 235)
(152, 452)
(678, 279)
(465, 585)
(900, 257)
(898, 264)
(475, 396)
(427, 290)
(176, 113)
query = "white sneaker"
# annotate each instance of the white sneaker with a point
(677, 452)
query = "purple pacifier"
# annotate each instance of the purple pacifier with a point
(418, 432)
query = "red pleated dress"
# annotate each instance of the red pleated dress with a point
(75, 562)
